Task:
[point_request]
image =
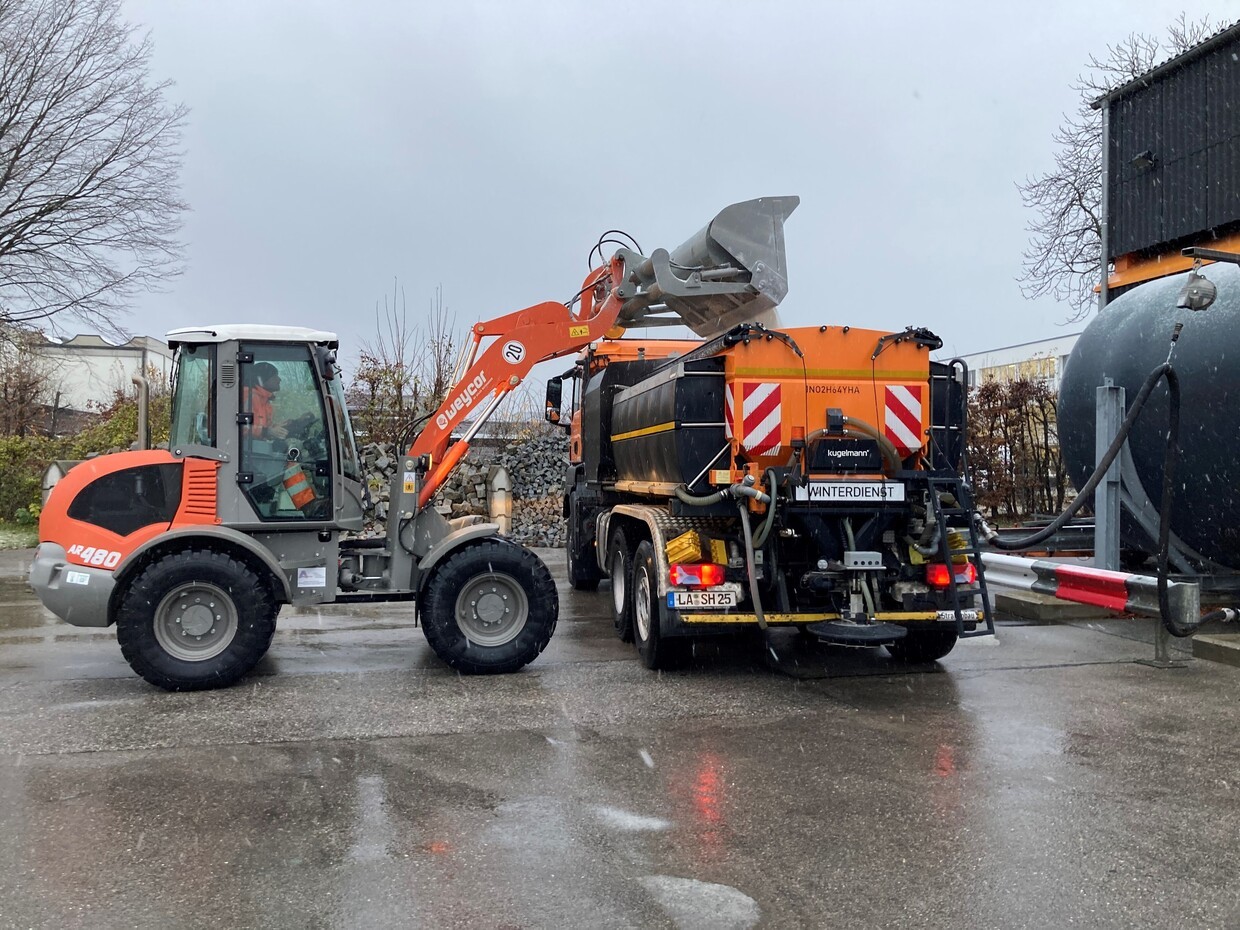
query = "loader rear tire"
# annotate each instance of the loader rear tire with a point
(194, 620)
(489, 608)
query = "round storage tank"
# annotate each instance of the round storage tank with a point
(1125, 342)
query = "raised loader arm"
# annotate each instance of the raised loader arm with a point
(520, 340)
(731, 271)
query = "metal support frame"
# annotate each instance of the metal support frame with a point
(1110, 405)
(1110, 498)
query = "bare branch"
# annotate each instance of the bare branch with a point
(89, 164)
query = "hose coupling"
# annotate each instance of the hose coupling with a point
(745, 488)
(984, 529)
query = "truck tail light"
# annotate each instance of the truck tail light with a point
(703, 575)
(938, 574)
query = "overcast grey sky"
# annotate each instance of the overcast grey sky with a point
(333, 147)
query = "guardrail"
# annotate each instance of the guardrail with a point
(1119, 591)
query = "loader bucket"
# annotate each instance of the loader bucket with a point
(732, 271)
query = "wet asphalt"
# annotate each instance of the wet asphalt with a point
(1042, 779)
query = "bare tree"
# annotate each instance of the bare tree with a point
(28, 388)
(89, 164)
(1064, 255)
(404, 372)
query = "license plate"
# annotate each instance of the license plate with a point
(968, 616)
(851, 492)
(717, 600)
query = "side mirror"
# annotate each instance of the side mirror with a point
(555, 396)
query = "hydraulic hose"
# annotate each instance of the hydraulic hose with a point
(1173, 626)
(768, 523)
(1113, 451)
(1169, 621)
(753, 578)
(741, 489)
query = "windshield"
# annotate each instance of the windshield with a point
(193, 399)
(349, 464)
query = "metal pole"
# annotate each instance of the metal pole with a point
(1110, 409)
(1104, 225)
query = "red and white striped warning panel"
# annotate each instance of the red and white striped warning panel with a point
(761, 417)
(902, 418)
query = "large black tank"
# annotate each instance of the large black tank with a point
(1125, 342)
(669, 427)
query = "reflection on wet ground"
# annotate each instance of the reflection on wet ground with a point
(1039, 781)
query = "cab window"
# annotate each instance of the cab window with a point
(193, 404)
(285, 462)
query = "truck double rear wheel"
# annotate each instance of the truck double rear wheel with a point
(489, 608)
(620, 570)
(195, 619)
(656, 651)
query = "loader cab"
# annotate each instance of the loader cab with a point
(268, 401)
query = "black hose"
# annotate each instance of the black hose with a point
(749, 569)
(1170, 457)
(764, 530)
(1086, 493)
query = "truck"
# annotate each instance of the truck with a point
(191, 551)
(764, 476)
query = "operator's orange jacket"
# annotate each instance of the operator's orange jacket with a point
(259, 400)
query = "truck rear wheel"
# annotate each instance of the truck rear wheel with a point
(656, 651)
(923, 646)
(620, 569)
(194, 620)
(489, 608)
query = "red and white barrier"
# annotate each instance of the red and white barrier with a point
(1119, 591)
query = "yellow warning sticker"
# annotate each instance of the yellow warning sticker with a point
(408, 483)
(576, 332)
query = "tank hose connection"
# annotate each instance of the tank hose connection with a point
(743, 488)
(1169, 621)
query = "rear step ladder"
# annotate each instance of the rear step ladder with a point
(958, 593)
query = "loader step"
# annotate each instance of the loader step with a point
(847, 633)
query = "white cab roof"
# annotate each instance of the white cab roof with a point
(251, 332)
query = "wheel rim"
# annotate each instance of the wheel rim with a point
(617, 582)
(195, 621)
(492, 609)
(641, 604)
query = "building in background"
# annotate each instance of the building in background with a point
(1043, 360)
(86, 371)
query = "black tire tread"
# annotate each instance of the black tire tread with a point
(256, 620)
(920, 647)
(437, 605)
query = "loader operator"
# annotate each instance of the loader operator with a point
(266, 382)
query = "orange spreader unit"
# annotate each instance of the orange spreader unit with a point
(771, 391)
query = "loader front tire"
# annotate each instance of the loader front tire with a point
(194, 620)
(489, 608)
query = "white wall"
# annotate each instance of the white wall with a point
(87, 370)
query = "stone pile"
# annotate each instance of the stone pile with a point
(535, 462)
